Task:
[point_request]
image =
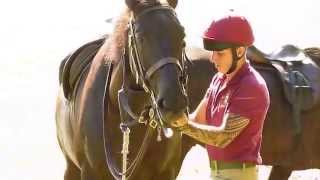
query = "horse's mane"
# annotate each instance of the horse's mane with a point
(116, 42)
(313, 53)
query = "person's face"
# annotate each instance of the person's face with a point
(222, 60)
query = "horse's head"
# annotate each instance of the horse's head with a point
(156, 47)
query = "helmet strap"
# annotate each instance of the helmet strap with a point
(235, 59)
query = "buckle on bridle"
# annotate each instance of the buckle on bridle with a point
(153, 123)
(151, 113)
(142, 120)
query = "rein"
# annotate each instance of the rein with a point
(150, 116)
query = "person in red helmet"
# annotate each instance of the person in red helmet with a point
(230, 117)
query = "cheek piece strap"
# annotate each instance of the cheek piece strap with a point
(235, 59)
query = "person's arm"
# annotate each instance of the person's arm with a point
(199, 115)
(215, 136)
(195, 126)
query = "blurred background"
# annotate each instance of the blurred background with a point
(35, 35)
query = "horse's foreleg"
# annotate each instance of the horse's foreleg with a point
(280, 173)
(72, 172)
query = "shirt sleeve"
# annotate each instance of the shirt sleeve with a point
(249, 101)
(219, 138)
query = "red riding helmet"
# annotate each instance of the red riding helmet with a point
(229, 31)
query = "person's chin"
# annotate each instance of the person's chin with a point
(221, 71)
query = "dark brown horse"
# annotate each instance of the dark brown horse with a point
(280, 147)
(142, 67)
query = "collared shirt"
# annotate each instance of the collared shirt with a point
(246, 94)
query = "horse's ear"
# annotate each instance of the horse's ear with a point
(132, 3)
(173, 3)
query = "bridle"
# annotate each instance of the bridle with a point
(143, 75)
(151, 116)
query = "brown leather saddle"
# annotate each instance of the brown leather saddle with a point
(300, 76)
(75, 63)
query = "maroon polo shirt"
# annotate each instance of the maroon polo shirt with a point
(246, 94)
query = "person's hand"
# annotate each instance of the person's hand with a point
(180, 123)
